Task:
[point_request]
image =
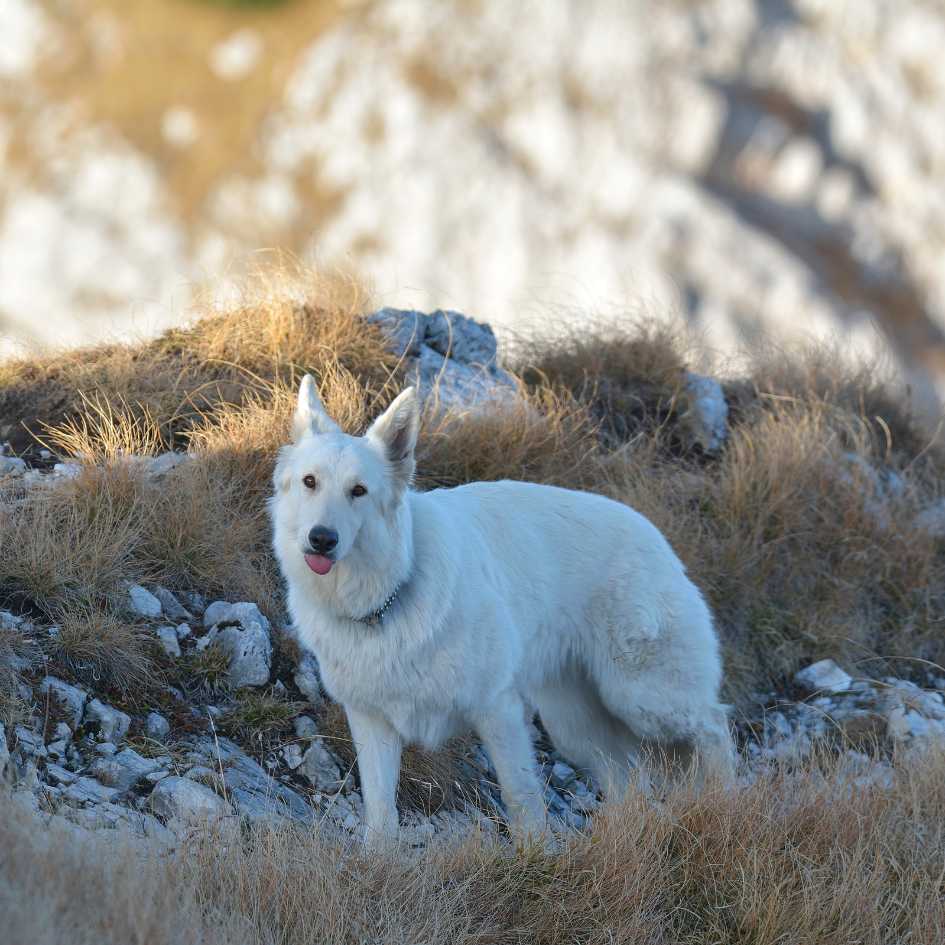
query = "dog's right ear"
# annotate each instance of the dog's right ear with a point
(310, 416)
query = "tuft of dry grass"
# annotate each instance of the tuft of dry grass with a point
(75, 542)
(630, 376)
(289, 323)
(261, 718)
(809, 856)
(543, 436)
(867, 390)
(104, 649)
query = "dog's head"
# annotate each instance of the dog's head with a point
(329, 484)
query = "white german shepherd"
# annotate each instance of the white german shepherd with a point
(469, 608)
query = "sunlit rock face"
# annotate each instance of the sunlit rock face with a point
(747, 165)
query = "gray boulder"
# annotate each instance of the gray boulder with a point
(448, 353)
(87, 790)
(4, 750)
(124, 769)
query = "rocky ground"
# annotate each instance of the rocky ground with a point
(81, 759)
(259, 747)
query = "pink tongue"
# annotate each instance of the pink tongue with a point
(319, 563)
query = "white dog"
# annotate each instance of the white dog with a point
(468, 608)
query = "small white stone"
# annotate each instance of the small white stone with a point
(168, 640)
(320, 768)
(172, 607)
(306, 727)
(823, 676)
(12, 466)
(143, 602)
(112, 723)
(69, 698)
(292, 755)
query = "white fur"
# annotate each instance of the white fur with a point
(515, 597)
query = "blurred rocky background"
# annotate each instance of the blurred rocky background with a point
(755, 167)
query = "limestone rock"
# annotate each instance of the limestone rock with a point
(707, 412)
(11, 466)
(167, 637)
(321, 769)
(242, 632)
(173, 609)
(308, 679)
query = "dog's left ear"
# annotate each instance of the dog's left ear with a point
(395, 431)
(309, 413)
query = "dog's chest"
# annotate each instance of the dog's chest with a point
(377, 671)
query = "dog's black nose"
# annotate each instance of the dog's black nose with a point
(322, 540)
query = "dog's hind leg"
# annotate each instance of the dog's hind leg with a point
(589, 735)
(690, 733)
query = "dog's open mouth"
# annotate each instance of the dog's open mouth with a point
(320, 564)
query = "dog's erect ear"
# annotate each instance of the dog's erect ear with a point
(395, 431)
(310, 415)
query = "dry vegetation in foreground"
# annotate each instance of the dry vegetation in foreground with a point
(805, 857)
(799, 545)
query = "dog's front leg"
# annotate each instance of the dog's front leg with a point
(505, 736)
(378, 749)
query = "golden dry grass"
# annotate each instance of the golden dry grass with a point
(810, 857)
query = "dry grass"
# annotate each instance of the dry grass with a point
(808, 857)
(801, 549)
(630, 375)
(287, 325)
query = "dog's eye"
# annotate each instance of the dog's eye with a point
(358, 491)
(309, 481)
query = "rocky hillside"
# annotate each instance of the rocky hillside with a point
(149, 678)
(754, 165)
